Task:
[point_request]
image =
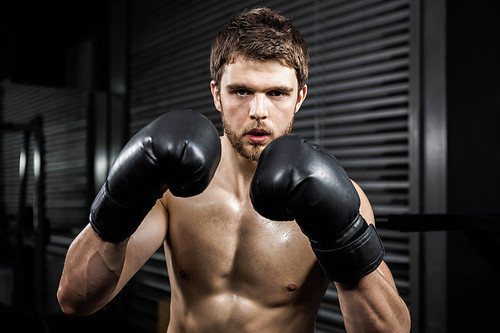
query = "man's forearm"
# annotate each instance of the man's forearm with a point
(91, 273)
(373, 304)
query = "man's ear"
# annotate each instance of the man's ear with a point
(214, 88)
(300, 99)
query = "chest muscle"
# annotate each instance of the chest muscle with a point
(225, 245)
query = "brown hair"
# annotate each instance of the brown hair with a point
(260, 34)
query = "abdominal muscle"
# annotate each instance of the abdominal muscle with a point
(232, 270)
(228, 312)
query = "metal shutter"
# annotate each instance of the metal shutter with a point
(357, 104)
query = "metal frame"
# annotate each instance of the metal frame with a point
(33, 129)
(428, 158)
(414, 118)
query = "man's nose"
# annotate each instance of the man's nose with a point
(258, 107)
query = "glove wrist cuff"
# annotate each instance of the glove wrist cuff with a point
(354, 259)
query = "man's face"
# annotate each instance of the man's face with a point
(258, 101)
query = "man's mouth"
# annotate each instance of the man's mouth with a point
(257, 135)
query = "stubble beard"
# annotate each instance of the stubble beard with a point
(250, 151)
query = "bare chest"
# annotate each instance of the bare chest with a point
(222, 244)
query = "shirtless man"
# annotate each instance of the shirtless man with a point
(237, 261)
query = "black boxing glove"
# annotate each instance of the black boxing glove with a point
(296, 180)
(180, 151)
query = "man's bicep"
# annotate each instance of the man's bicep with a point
(367, 212)
(144, 242)
(365, 207)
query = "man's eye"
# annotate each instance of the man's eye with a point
(277, 93)
(241, 92)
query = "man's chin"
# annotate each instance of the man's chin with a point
(253, 152)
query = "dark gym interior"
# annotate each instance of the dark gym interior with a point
(404, 92)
